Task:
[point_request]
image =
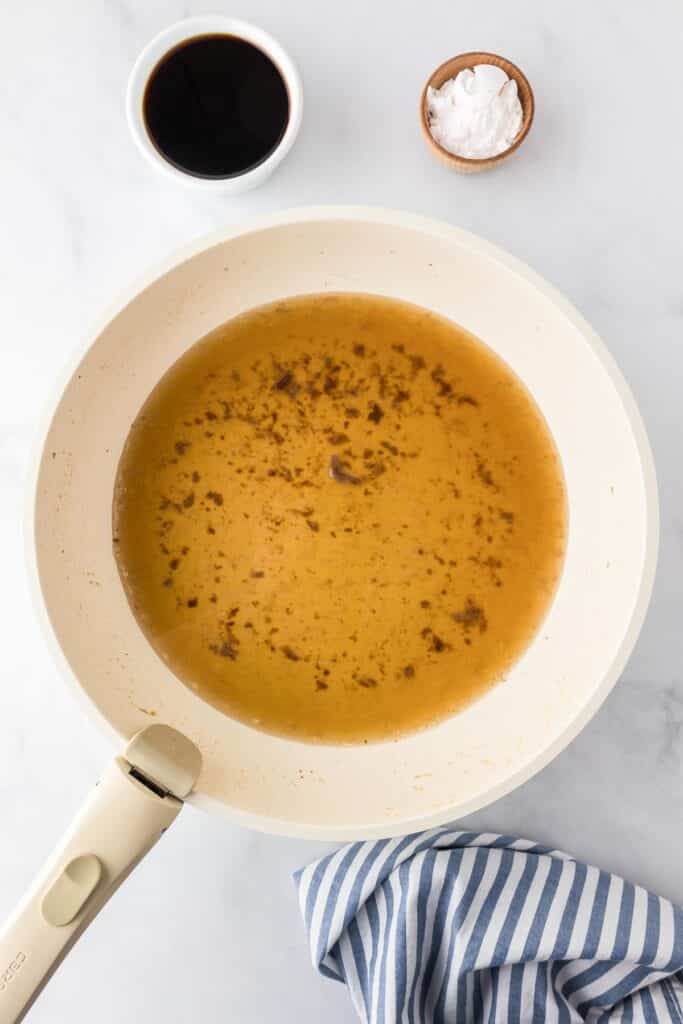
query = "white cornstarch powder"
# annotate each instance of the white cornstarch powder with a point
(477, 114)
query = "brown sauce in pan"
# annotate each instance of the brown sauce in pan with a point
(339, 518)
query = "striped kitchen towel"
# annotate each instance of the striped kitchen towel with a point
(458, 926)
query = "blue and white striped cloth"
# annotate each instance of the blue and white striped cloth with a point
(451, 926)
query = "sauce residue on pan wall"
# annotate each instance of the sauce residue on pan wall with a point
(339, 518)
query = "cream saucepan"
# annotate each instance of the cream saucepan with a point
(185, 749)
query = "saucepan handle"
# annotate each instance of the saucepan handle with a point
(119, 823)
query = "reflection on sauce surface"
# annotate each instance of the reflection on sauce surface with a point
(339, 518)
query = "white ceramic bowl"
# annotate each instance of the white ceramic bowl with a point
(344, 792)
(179, 33)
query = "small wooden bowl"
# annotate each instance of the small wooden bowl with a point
(449, 69)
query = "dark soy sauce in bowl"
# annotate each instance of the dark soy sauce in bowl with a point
(216, 106)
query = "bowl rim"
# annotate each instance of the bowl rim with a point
(439, 229)
(486, 161)
(179, 33)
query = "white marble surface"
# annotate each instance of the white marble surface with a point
(208, 928)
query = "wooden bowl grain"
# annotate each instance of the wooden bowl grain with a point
(449, 69)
